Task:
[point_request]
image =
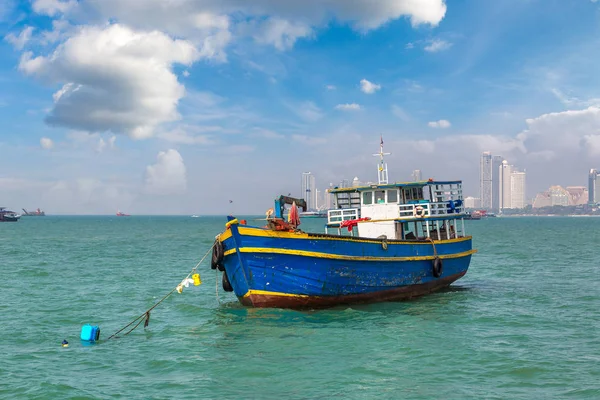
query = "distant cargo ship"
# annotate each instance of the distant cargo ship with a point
(121, 214)
(36, 213)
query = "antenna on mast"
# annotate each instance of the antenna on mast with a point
(382, 172)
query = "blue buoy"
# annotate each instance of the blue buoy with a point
(65, 343)
(90, 333)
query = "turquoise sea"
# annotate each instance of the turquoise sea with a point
(524, 323)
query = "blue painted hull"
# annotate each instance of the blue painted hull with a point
(298, 270)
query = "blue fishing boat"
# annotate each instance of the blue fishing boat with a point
(382, 242)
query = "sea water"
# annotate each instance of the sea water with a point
(524, 323)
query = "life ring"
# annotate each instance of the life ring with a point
(226, 284)
(418, 212)
(217, 256)
(438, 267)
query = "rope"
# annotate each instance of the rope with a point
(146, 315)
(433, 244)
(217, 285)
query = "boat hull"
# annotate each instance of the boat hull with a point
(298, 270)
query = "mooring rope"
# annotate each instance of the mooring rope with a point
(145, 317)
(433, 244)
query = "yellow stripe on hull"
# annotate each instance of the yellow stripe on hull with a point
(267, 293)
(302, 235)
(315, 254)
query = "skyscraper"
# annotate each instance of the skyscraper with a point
(504, 192)
(496, 163)
(417, 176)
(517, 190)
(308, 190)
(593, 187)
(489, 181)
(485, 180)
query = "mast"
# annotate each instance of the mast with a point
(382, 171)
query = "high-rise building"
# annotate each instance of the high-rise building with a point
(504, 186)
(417, 176)
(517, 190)
(472, 202)
(511, 187)
(489, 181)
(496, 163)
(485, 180)
(309, 192)
(593, 187)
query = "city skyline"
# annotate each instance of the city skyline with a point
(216, 110)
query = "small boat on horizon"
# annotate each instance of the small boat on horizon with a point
(313, 214)
(390, 241)
(195, 216)
(8, 215)
(121, 214)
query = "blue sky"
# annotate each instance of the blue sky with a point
(152, 108)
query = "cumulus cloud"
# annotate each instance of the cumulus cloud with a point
(348, 107)
(369, 87)
(21, 40)
(574, 131)
(114, 79)
(46, 143)
(168, 175)
(281, 33)
(53, 7)
(436, 45)
(442, 123)
(277, 22)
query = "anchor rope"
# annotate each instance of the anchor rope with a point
(146, 315)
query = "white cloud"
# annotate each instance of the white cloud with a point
(442, 123)
(369, 87)
(20, 41)
(168, 175)
(571, 101)
(348, 107)
(574, 131)
(46, 143)
(436, 45)
(307, 110)
(209, 23)
(330, 87)
(182, 136)
(400, 113)
(53, 7)
(114, 79)
(281, 33)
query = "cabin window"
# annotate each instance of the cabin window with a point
(417, 193)
(367, 197)
(380, 196)
(392, 196)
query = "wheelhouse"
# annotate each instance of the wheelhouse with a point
(402, 211)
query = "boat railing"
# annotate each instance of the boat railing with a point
(335, 217)
(429, 209)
